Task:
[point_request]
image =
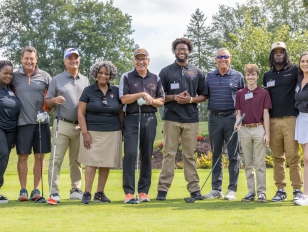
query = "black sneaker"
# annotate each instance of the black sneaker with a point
(281, 195)
(161, 195)
(3, 199)
(197, 195)
(297, 194)
(262, 198)
(249, 197)
(100, 197)
(86, 198)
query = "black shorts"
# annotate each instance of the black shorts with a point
(28, 138)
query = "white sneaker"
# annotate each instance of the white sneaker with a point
(230, 195)
(76, 194)
(302, 201)
(214, 194)
(55, 196)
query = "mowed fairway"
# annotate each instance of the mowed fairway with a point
(171, 215)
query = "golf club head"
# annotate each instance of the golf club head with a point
(190, 199)
(134, 201)
(40, 200)
(51, 201)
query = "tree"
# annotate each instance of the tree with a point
(96, 29)
(201, 37)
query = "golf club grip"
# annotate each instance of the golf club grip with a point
(39, 103)
(58, 113)
(241, 119)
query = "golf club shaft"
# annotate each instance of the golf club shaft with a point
(40, 142)
(55, 146)
(234, 131)
(138, 155)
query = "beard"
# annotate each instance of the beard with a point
(178, 59)
(280, 62)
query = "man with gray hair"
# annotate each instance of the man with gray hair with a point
(30, 85)
(64, 92)
(223, 83)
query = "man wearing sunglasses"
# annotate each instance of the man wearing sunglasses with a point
(139, 89)
(64, 91)
(223, 83)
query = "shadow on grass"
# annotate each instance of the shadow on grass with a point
(174, 204)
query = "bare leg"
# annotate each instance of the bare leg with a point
(22, 169)
(89, 177)
(305, 152)
(103, 174)
(37, 169)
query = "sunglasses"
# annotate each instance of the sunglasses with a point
(104, 101)
(220, 57)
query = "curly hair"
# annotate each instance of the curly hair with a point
(182, 41)
(107, 64)
(286, 59)
(4, 63)
(300, 71)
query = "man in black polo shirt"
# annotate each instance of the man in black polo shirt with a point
(144, 86)
(184, 86)
(280, 82)
(223, 83)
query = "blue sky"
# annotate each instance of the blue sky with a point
(158, 22)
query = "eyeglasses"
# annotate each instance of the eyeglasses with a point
(104, 101)
(220, 57)
(181, 49)
(141, 59)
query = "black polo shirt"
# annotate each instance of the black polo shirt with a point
(9, 109)
(301, 96)
(132, 83)
(102, 115)
(282, 89)
(176, 79)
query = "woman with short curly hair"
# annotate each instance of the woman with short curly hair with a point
(100, 119)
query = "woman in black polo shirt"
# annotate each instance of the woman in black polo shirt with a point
(100, 118)
(301, 135)
(9, 111)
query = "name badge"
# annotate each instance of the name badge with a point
(175, 85)
(11, 94)
(297, 89)
(248, 95)
(270, 84)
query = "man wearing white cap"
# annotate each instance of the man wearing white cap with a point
(64, 92)
(280, 82)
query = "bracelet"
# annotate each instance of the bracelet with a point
(191, 100)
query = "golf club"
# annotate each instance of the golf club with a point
(41, 199)
(193, 199)
(50, 200)
(136, 199)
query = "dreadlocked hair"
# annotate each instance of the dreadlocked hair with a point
(182, 41)
(286, 59)
(4, 63)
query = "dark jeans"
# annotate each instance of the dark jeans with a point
(147, 136)
(220, 130)
(7, 139)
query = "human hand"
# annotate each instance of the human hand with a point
(87, 141)
(266, 140)
(183, 98)
(41, 117)
(148, 99)
(141, 101)
(59, 100)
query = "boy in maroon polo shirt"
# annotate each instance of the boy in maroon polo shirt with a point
(254, 131)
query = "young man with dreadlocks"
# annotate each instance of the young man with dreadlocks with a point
(280, 82)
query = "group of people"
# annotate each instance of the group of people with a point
(91, 121)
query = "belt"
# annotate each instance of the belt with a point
(142, 114)
(66, 120)
(222, 114)
(251, 125)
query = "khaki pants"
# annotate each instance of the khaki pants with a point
(68, 138)
(284, 147)
(254, 154)
(188, 133)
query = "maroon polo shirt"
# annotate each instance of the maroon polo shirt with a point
(253, 107)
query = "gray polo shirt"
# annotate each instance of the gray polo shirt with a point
(67, 86)
(30, 91)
